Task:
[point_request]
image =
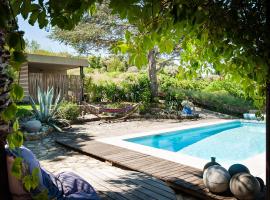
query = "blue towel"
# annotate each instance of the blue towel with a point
(187, 110)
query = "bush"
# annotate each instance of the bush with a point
(225, 85)
(220, 101)
(24, 111)
(217, 95)
(114, 63)
(69, 111)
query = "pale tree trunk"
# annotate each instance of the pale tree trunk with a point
(5, 82)
(152, 73)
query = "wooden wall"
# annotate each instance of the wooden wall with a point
(24, 81)
(70, 86)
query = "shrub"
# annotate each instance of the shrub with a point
(114, 63)
(94, 92)
(220, 101)
(225, 85)
(113, 92)
(68, 110)
(24, 111)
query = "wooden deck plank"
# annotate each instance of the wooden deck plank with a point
(145, 191)
(122, 191)
(131, 185)
(178, 176)
(152, 181)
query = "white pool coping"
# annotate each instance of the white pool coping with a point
(256, 164)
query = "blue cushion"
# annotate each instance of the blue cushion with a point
(66, 185)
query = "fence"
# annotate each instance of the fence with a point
(70, 86)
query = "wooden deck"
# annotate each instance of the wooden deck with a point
(179, 177)
(118, 184)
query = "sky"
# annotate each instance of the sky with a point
(41, 36)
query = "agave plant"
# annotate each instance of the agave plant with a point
(46, 113)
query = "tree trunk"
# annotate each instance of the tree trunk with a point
(152, 73)
(5, 83)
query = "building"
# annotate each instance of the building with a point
(51, 71)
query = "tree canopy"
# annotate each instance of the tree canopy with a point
(96, 32)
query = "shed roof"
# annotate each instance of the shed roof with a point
(54, 62)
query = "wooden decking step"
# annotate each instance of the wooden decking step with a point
(179, 177)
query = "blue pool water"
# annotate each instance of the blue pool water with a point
(232, 141)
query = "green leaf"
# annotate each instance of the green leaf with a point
(147, 43)
(33, 17)
(42, 21)
(15, 139)
(31, 181)
(16, 5)
(10, 112)
(16, 125)
(92, 9)
(17, 92)
(14, 40)
(124, 48)
(26, 8)
(127, 35)
(16, 169)
(18, 57)
(140, 60)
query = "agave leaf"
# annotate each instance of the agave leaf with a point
(55, 126)
(34, 107)
(44, 106)
(49, 101)
(40, 103)
(56, 104)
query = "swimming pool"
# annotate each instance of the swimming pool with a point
(228, 142)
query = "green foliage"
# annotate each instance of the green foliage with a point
(95, 62)
(68, 110)
(9, 113)
(220, 101)
(136, 89)
(221, 95)
(97, 31)
(47, 110)
(114, 63)
(17, 168)
(17, 92)
(31, 181)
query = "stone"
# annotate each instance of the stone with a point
(212, 163)
(216, 179)
(32, 126)
(238, 168)
(244, 186)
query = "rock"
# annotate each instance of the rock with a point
(133, 69)
(244, 186)
(238, 168)
(212, 163)
(216, 179)
(32, 126)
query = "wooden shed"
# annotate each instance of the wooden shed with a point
(51, 71)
